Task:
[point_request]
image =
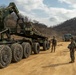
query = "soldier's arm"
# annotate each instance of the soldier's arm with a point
(69, 46)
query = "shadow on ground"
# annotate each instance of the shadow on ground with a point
(55, 65)
(66, 51)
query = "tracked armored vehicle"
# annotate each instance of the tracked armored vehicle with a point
(19, 43)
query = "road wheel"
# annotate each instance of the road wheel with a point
(26, 49)
(5, 56)
(36, 48)
(48, 45)
(45, 45)
(17, 52)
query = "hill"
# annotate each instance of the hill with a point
(10, 22)
(68, 26)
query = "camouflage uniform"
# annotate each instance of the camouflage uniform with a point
(54, 43)
(72, 46)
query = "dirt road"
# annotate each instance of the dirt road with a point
(45, 63)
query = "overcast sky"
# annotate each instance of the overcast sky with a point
(49, 12)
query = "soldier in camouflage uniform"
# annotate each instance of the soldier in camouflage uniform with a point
(71, 47)
(54, 43)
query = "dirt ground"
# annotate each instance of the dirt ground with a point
(44, 63)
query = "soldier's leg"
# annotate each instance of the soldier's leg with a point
(73, 57)
(52, 48)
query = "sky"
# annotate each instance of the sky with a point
(49, 12)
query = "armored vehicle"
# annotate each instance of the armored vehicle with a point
(19, 43)
(67, 37)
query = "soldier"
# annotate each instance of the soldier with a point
(54, 43)
(71, 47)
